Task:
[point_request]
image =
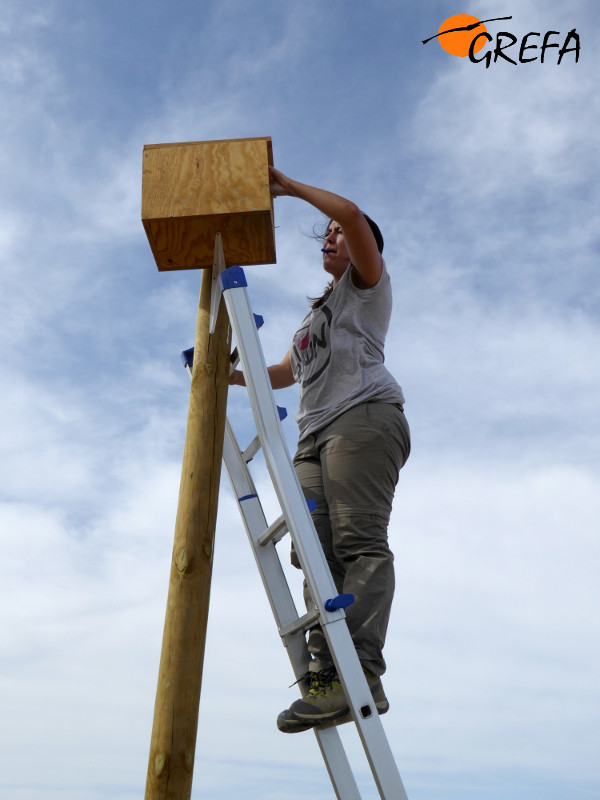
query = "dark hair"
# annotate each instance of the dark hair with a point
(318, 301)
(376, 232)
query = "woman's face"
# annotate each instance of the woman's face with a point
(336, 257)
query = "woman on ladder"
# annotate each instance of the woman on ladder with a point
(354, 439)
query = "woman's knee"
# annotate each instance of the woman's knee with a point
(357, 535)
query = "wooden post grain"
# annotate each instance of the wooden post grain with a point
(174, 730)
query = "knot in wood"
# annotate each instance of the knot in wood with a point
(182, 562)
(159, 763)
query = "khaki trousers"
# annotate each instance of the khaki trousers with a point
(350, 469)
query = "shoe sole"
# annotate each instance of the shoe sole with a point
(316, 719)
(286, 724)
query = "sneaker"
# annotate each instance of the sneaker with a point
(288, 722)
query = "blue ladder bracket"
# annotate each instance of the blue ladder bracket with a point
(247, 497)
(232, 278)
(188, 357)
(312, 504)
(341, 601)
(282, 412)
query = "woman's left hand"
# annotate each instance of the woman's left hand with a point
(237, 378)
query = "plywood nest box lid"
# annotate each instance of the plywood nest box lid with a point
(193, 190)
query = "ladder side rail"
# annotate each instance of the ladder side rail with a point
(337, 764)
(370, 729)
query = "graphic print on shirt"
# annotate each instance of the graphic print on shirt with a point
(312, 347)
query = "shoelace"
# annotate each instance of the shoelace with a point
(306, 677)
(323, 681)
(319, 682)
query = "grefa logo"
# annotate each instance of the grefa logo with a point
(464, 35)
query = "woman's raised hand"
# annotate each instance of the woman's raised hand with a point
(278, 183)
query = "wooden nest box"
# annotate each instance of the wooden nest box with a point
(193, 190)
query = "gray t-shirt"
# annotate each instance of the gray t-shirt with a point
(337, 353)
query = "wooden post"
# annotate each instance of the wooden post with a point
(190, 192)
(172, 748)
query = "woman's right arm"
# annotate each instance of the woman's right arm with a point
(281, 374)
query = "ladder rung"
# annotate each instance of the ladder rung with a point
(303, 623)
(274, 533)
(251, 450)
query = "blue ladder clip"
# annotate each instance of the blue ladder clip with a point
(188, 357)
(341, 601)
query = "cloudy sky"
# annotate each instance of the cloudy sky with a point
(485, 183)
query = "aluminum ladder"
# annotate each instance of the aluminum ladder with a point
(295, 520)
